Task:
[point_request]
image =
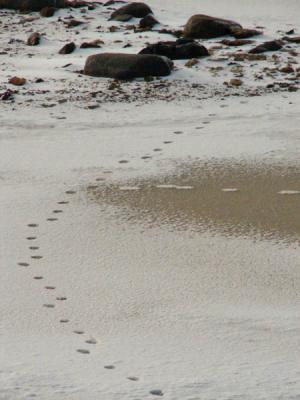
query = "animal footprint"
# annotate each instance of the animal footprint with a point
(23, 264)
(36, 257)
(78, 332)
(109, 367)
(52, 219)
(83, 351)
(50, 287)
(91, 341)
(156, 392)
(49, 305)
(64, 321)
(61, 298)
(133, 378)
(70, 192)
(33, 225)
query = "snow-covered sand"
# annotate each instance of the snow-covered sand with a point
(194, 313)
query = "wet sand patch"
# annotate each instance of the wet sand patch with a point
(235, 198)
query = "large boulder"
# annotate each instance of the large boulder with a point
(127, 66)
(177, 50)
(31, 5)
(202, 26)
(135, 9)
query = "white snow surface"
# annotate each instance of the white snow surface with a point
(194, 315)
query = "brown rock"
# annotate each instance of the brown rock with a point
(148, 22)
(135, 9)
(177, 50)
(273, 45)
(73, 23)
(295, 39)
(235, 82)
(17, 81)
(245, 33)
(236, 42)
(205, 27)
(288, 69)
(190, 63)
(68, 48)
(176, 33)
(48, 12)
(127, 66)
(93, 44)
(34, 39)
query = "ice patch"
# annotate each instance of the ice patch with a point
(289, 192)
(178, 187)
(230, 190)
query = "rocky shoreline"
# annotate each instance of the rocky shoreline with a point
(205, 63)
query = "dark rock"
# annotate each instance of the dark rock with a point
(47, 12)
(288, 69)
(135, 9)
(34, 39)
(177, 33)
(68, 48)
(93, 44)
(148, 22)
(112, 2)
(73, 23)
(113, 28)
(291, 32)
(245, 33)
(180, 49)
(236, 42)
(79, 4)
(31, 5)
(295, 39)
(127, 66)
(273, 45)
(7, 95)
(205, 27)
